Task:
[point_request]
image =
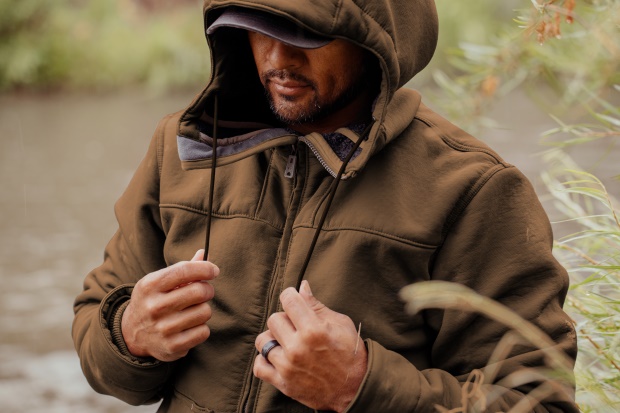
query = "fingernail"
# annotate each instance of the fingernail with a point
(306, 286)
(216, 270)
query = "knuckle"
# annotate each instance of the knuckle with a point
(165, 329)
(145, 284)
(274, 319)
(207, 290)
(199, 292)
(260, 341)
(295, 356)
(312, 334)
(199, 335)
(175, 348)
(208, 312)
(287, 371)
(153, 309)
(205, 313)
(286, 298)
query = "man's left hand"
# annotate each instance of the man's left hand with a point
(320, 360)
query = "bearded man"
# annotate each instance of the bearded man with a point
(307, 163)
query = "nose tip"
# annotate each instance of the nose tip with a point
(284, 56)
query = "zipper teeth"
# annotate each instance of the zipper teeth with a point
(318, 156)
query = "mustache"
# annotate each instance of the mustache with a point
(284, 74)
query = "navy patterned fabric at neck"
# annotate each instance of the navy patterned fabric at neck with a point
(341, 145)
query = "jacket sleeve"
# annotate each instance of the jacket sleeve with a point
(134, 251)
(499, 245)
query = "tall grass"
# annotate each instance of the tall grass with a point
(569, 49)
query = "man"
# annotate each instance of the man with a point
(297, 306)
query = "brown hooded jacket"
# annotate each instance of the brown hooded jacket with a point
(422, 201)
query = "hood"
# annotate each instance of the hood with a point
(402, 34)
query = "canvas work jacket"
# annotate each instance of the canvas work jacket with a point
(422, 200)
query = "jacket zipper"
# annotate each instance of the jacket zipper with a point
(291, 163)
(290, 172)
(318, 156)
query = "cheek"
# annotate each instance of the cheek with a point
(334, 83)
(342, 68)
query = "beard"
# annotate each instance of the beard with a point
(291, 111)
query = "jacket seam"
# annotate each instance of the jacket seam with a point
(336, 16)
(252, 357)
(160, 145)
(378, 24)
(458, 210)
(218, 215)
(457, 145)
(306, 179)
(265, 184)
(290, 241)
(373, 232)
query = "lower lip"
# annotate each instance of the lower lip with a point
(290, 90)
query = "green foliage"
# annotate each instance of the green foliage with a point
(591, 254)
(566, 53)
(560, 60)
(99, 44)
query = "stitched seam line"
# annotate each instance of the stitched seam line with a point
(290, 241)
(376, 22)
(337, 15)
(459, 146)
(215, 214)
(373, 232)
(306, 179)
(475, 189)
(160, 146)
(265, 184)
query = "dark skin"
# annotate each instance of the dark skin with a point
(313, 90)
(321, 360)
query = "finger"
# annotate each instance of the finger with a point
(310, 299)
(185, 272)
(266, 371)
(262, 339)
(187, 296)
(281, 328)
(181, 343)
(296, 308)
(187, 319)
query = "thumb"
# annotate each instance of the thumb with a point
(306, 293)
(199, 255)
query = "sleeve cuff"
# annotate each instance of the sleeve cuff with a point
(386, 387)
(112, 310)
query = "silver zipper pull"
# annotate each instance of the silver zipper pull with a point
(291, 163)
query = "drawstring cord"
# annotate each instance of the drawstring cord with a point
(210, 206)
(332, 193)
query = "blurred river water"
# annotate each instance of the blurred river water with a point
(64, 160)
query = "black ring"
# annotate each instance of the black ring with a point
(270, 345)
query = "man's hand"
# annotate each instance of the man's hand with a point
(321, 361)
(168, 310)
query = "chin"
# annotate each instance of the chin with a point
(291, 112)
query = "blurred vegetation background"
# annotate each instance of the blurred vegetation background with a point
(563, 55)
(99, 44)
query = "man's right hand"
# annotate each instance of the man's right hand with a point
(169, 308)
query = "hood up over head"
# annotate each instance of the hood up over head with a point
(401, 34)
